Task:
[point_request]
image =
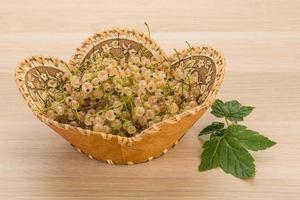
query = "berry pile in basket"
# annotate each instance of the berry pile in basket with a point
(122, 94)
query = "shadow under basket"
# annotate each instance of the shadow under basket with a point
(113, 149)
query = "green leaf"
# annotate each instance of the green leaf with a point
(214, 128)
(246, 110)
(231, 110)
(217, 108)
(235, 159)
(251, 140)
(210, 157)
(229, 154)
(228, 148)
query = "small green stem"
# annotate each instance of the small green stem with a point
(148, 29)
(189, 45)
(177, 53)
(227, 123)
(77, 115)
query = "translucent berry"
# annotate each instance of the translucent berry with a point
(127, 91)
(99, 120)
(161, 84)
(127, 124)
(153, 100)
(60, 110)
(87, 87)
(69, 101)
(156, 108)
(87, 77)
(168, 100)
(118, 88)
(145, 61)
(151, 87)
(51, 114)
(67, 88)
(110, 115)
(75, 104)
(98, 127)
(139, 111)
(137, 101)
(131, 130)
(125, 115)
(95, 81)
(142, 84)
(159, 93)
(149, 114)
(147, 105)
(193, 104)
(75, 82)
(134, 59)
(142, 121)
(70, 115)
(173, 108)
(187, 108)
(178, 74)
(98, 93)
(116, 124)
(107, 87)
(141, 92)
(88, 120)
(157, 118)
(123, 61)
(161, 75)
(102, 76)
(134, 68)
(106, 129)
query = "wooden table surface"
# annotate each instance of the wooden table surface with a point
(261, 42)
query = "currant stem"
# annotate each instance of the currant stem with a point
(148, 29)
(227, 123)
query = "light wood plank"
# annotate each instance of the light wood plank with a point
(167, 15)
(260, 40)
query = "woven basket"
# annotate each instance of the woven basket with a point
(150, 143)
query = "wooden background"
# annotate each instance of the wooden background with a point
(261, 41)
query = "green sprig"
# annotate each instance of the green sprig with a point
(228, 145)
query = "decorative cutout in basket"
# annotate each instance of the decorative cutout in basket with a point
(114, 149)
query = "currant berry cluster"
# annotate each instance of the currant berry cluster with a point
(122, 95)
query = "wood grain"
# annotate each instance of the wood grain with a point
(263, 70)
(167, 15)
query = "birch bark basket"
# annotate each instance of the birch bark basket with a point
(113, 149)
